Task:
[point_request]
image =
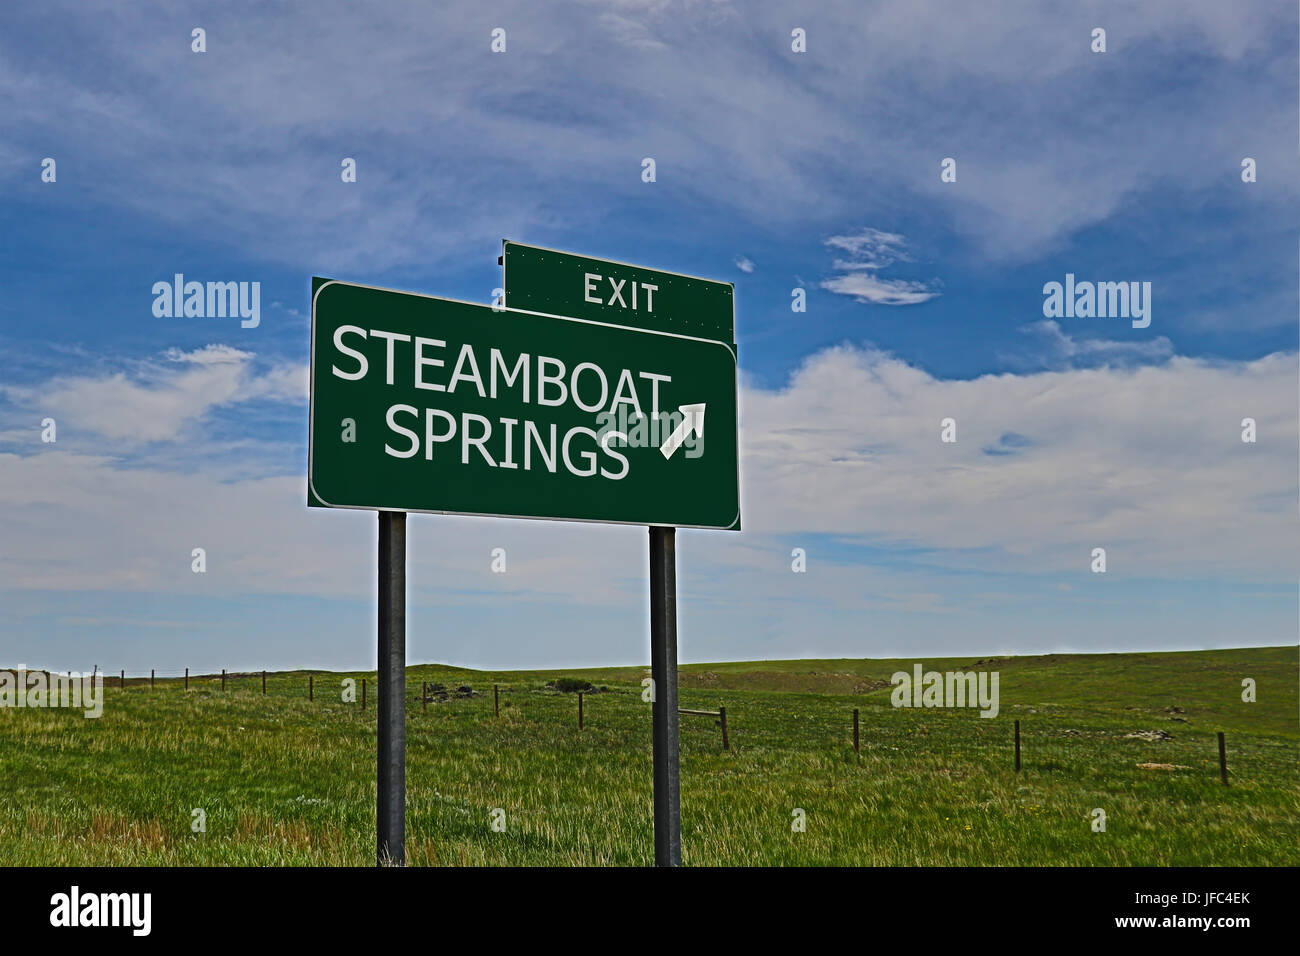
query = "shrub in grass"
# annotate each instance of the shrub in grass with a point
(570, 685)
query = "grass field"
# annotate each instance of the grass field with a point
(285, 781)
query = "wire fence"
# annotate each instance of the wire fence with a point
(952, 740)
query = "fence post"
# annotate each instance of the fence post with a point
(726, 741)
(122, 681)
(855, 730)
(424, 694)
(1017, 746)
(151, 678)
(579, 710)
(311, 689)
(263, 683)
(223, 678)
(187, 678)
(496, 701)
(1223, 760)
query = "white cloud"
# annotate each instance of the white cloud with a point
(1147, 462)
(882, 87)
(208, 355)
(1067, 347)
(745, 264)
(284, 383)
(164, 396)
(868, 288)
(869, 250)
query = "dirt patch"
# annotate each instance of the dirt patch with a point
(801, 682)
(866, 685)
(573, 685)
(438, 694)
(1162, 766)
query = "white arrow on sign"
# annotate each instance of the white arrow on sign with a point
(692, 421)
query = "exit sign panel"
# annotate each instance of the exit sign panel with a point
(601, 290)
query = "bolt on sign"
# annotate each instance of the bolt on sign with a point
(434, 405)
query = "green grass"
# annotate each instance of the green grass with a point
(285, 781)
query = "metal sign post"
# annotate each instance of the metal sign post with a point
(390, 810)
(663, 671)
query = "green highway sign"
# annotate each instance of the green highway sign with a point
(597, 391)
(434, 405)
(563, 283)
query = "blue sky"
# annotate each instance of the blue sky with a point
(775, 170)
